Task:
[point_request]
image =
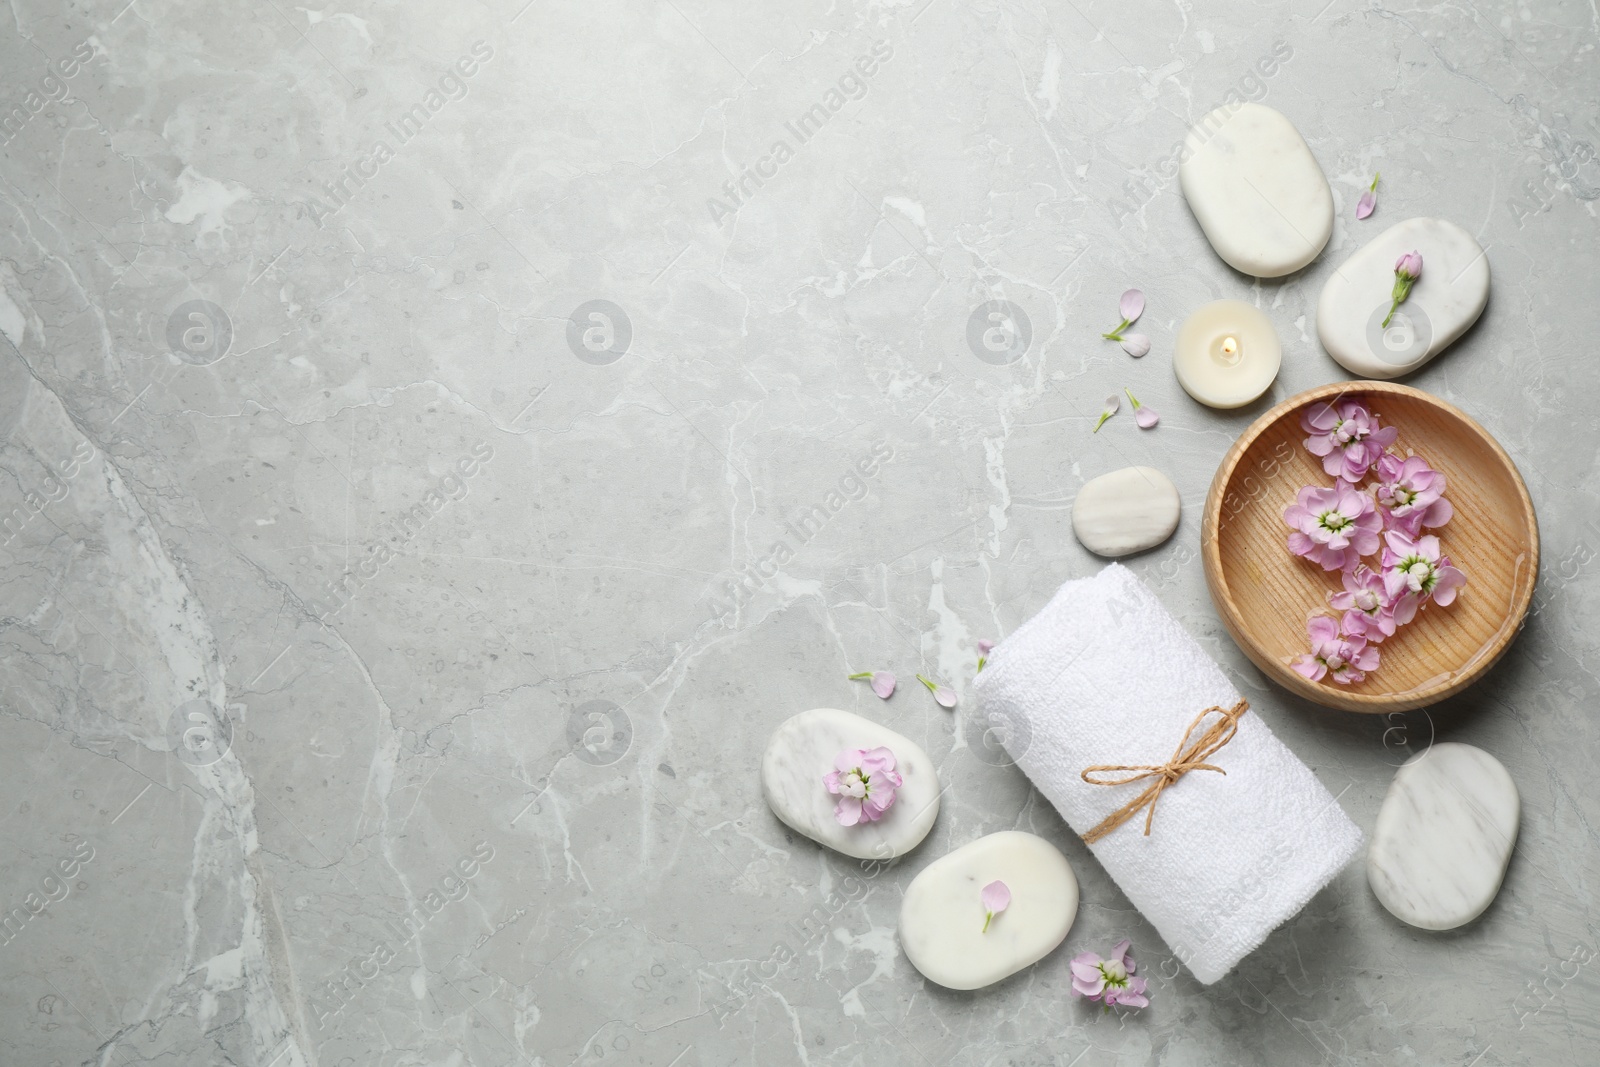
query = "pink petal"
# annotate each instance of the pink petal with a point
(1364, 206)
(876, 761)
(1322, 628)
(1309, 667)
(849, 759)
(1132, 305)
(1318, 418)
(1146, 417)
(848, 811)
(1135, 344)
(1119, 950)
(985, 646)
(945, 696)
(883, 683)
(996, 897)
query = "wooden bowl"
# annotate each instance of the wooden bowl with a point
(1265, 594)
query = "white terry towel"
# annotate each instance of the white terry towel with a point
(1104, 675)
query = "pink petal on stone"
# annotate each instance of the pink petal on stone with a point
(1132, 305)
(1146, 418)
(883, 683)
(996, 897)
(1136, 344)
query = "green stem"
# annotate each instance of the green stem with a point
(863, 674)
(1116, 334)
(1131, 397)
(1104, 415)
(1374, 186)
(981, 661)
(988, 918)
(931, 687)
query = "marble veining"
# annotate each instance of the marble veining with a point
(1444, 836)
(432, 431)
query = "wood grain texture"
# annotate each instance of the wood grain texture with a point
(1265, 595)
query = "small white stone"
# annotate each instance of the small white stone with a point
(1444, 302)
(1444, 837)
(1126, 511)
(1256, 190)
(801, 753)
(941, 917)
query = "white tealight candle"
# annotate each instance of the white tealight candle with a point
(1227, 354)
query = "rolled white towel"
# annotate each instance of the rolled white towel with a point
(1104, 675)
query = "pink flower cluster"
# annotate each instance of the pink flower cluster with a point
(1338, 528)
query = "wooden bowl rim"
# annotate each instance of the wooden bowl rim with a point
(1232, 618)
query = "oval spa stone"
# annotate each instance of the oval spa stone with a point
(1126, 511)
(1444, 836)
(942, 915)
(801, 753)
(1444, 302)
(1256, 190)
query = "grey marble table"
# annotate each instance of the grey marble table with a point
(438, 443)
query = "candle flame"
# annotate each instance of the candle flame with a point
(1230, 346)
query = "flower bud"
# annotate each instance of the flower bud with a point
(1409, 265)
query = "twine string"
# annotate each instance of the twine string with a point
(1188, 756)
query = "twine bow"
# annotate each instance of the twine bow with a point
(1187, 757)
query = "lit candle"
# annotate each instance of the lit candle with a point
(1226, 354)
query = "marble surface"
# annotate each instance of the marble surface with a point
(801, 753)
(1444, 836)
(1442, 305)
(494, 487)
(942, 918)
(1125, 511)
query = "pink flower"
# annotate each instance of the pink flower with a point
(1109, 980)
(1414, 572)
(882, 682)
(1333, 652)
(1407, 269)
(985, 646)
(996, 898)
(1334, 527)
(1347, 437)
(865, 781)
(1367, 606)
(1412, 494)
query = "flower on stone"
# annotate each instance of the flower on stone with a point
(1369, 199)
(1414, 571)
(942, 693)
(1347, 437)
(1412, 494)
(1343, 656)
(1368, 608)
(1113, 404)
(1131, 306)
(996, 898)
(985, 646)
(1145, 417)
(1333, 527)
(864, 779)
(1407, 269)
(1110, 980)
(882, 682)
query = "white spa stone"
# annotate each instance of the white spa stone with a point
(941, 917)
(1444, 837)
(1256, 190)
(801, 753)
(1126, 511)
(1443, 304)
